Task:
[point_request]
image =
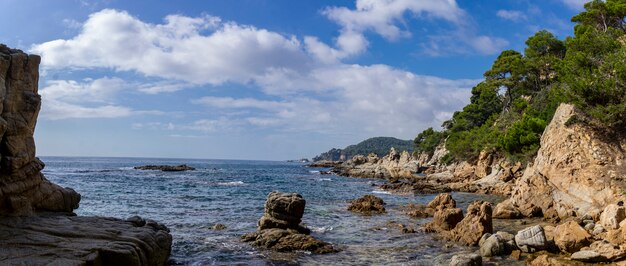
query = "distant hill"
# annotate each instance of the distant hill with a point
(378, 145)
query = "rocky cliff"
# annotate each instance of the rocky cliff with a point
(37, 226)
(23, 189)
(391, 166)
(578, 170)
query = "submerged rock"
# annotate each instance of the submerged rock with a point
(166, 168)
(368, 204)
(279, 228)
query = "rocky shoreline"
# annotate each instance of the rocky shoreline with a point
(37, 224)
(574, 183)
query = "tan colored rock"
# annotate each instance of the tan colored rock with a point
(444, 199)
(571, 237)
(368, 205)
(612, 216)
(445, 219)
(24, 189)
(607, 250)
(576, 171)
(476, 223)
(483, 166)
(392, 166)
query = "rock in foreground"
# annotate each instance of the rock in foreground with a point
(279, 228)
(75, 240)
(367, 205)
(166, 168)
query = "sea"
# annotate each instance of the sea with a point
(233, 193)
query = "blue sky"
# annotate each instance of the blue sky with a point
(259, 79)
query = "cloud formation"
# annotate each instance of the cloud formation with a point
(512, 15)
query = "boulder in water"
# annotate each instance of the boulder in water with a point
(367, 205)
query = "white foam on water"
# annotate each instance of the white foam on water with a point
(381, 192)
(234, 183)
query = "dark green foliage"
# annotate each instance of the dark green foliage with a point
(378, 145)
(428, 140)
(523, 136)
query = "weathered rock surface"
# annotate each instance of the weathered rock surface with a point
(476, 223)
(73, 240)
(577, 171)
(531, 239)
(466, 260)
(612, 216)
(23, 189)
(492, 245)
(392, 165)
(607, 250)
(588, 256)
(368, 204)
(279, 228)
(166, 168)
(570, 237)
(35, 228)
(545, 260)
(324, 164)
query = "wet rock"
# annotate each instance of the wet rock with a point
(279, 228)
(570, 237)
(474, 225)
(445, 219)
(466, 260)
(588, 256)
(403, 228)
(492, 246)
(367, 205)
(531, 239)
(418, 211)
(612, 216)
(166, 168)
(218, 227)
(137, 221)
(324, 164)
(545, 260)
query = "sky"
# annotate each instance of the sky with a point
(259, 79)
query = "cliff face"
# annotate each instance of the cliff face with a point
(577, 171)
(23, 189)
(392, 165)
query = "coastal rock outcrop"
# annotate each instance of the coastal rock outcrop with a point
(368, 204)
(279, 228)
(391, 166)
(166, 168)
(476, 223)
(37, 226)
(23, 188)
(578, 170)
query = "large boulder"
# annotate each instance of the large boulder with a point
(571, 237)
(531, 239)
(280, 229)
(444, 199)
(476, 223)
(445, 219)
(466, 260)
(492, 245)
(612, 216)
(577, 171)
(368, 204)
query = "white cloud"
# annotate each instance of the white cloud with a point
(228, 102)
(512, 15)
(179, 49)
(575, 4)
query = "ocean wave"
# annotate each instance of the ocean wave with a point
(324, 179)
(233, 183)
(314, 172)
(322, 229)
(376, 191)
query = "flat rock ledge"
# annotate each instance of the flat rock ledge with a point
(166, 168)
(58, 239)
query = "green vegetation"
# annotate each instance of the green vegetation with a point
(510, 109)
(378, 145)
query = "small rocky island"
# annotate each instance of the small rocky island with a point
(37, 223)
(166, 168)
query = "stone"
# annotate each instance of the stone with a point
(59, 239)
(574, 173)
(494, 245)
(166, 168)
(368, 204)
(607, 250)
(446, 218)
(444, 199)
(476, 223)
(531, 239)
(588, 256)
(570, 237)
(545, 260)
(597, 230)
(516, 254)
(589, 227)
(280, 229)
(466, 260)
(218, 227)
(392, 166)
(612, 216)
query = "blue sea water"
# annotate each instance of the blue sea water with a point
(233, 193)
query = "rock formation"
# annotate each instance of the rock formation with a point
(37, 226)
(578, 170)
(279, 228)
(166, 168)
(392, 165)
(23, 189)
(367, 205)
